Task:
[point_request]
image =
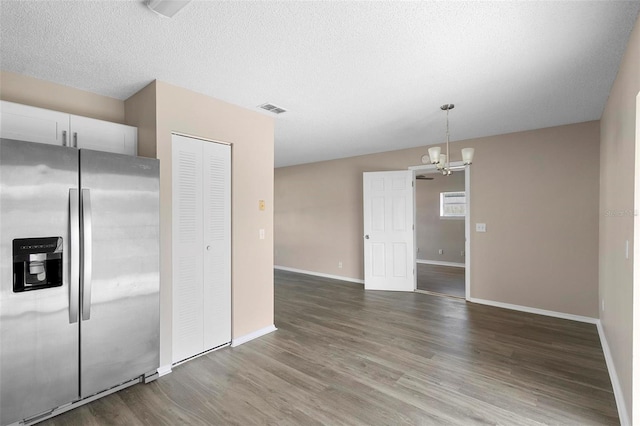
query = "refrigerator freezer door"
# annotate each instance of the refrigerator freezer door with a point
(120, 339)
(38, 339)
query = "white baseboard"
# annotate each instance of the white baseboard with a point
(319, 274)
(530, 310)
(440, 263)
(203, 353)
(615, 382)
(164, 370)
(248, 337)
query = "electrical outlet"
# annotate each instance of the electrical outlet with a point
(462, 253)
(340, 265)
(481, 227)
(440, 251)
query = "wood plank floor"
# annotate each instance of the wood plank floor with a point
(440, 279)
(343, 356)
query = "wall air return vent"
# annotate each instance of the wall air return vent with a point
(272, 108)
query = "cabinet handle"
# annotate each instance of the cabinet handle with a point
(64, 138)
(75, 139)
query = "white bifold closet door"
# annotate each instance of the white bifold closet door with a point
(201, 184)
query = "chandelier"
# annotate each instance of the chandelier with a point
(442, 161)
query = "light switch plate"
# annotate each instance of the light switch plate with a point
(481, 227)
(262, 234)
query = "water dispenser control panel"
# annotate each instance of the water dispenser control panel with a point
(37, 263)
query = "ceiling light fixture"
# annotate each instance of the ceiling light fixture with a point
(442, 161)
(166, 8)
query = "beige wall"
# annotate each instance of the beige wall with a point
(617, 164)
(433, 232)
(537, 191)
(44, 94)
(140, 111)
(251, 136)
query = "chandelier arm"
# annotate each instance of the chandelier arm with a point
(456, 168)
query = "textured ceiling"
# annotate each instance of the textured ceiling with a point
(355, 77)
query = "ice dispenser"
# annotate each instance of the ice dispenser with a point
(37, 263)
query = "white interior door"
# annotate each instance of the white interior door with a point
(217, 240)
(187, 246)
(201, 246)
(389, 239)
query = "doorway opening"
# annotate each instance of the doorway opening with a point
(440, 239)
(442, 232)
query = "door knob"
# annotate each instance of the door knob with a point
(366, 236)
(208, 248)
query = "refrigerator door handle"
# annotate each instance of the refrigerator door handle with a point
(74, 248)
(86, 254)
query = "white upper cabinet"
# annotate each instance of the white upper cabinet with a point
(27, 123)
(101, 135)
(31, 124)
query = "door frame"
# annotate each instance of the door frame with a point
(635, 307)
(429, 168)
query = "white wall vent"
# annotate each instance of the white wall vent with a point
(272, 108)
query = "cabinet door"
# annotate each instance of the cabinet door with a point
(89, 133)
(31, 124)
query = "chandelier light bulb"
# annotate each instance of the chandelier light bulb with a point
(467, 156)
(434, 154)
(443, 161)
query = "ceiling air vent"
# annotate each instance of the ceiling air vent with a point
(272, 108)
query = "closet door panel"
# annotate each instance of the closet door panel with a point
(187, 245)
(217, 241)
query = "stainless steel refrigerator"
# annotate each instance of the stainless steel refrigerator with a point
(79, 275)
